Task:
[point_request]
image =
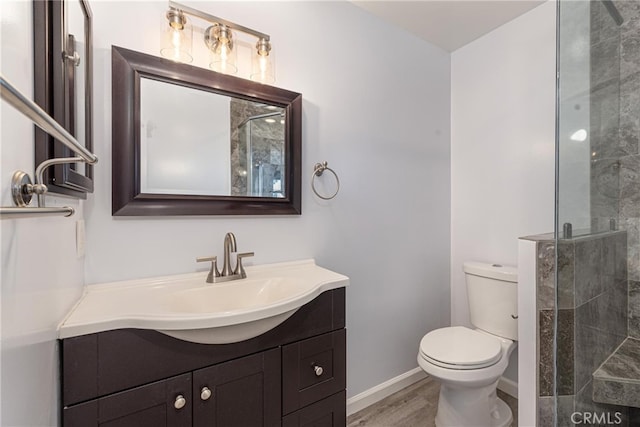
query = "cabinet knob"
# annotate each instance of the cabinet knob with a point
(205, 393)
(180, 402)
(318, 370)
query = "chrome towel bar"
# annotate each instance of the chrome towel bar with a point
(21, 186)
(13, 213)
(44, 121)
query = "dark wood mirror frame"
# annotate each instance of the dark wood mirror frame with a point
(127, 200)
(54, 91)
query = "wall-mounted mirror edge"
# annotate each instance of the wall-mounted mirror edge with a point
(63, 87)
(128, 68)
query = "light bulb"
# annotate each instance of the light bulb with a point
(262, 63)
(579, 135)
(176, 37)
(219, 39)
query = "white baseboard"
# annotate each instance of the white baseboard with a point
(508, 386)
(379, 392)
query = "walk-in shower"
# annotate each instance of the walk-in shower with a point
(257, 149)
(596, 316)
(263, 136)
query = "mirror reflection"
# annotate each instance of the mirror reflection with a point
(76, 31)
(197, 142)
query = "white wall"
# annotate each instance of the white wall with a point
(203, 163)
(527, 334)
(41, 276)
(377, 109)
(502, 146)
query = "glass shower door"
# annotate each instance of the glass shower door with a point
(264, 137)
(597, 306)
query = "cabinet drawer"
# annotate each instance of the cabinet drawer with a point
(329, 412)
(313, 369)
(151, 405)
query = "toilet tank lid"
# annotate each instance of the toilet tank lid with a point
(497, 271)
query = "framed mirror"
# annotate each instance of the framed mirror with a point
(190, 141)
(63, 65)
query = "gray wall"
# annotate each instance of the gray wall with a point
(379, 116)
(387, 229)
(501, 175)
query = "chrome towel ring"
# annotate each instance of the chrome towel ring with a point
(318, 170)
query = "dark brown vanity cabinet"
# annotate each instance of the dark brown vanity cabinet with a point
(293, 375)
(242, 392)
(313, 369)
(160, 404)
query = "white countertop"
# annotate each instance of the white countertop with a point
(173, 304)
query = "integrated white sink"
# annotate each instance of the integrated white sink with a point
(246, 294)
(188, 308)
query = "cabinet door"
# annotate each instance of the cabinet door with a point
(163, 403)
(329, 412)
(243, 392)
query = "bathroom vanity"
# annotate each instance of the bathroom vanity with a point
(292, 375)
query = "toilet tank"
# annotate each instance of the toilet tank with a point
(493, 304)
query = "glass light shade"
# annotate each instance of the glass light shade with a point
(176, 43)
(224, 59)
(262, 68)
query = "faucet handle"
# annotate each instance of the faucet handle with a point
(214, 267)
(239, 268)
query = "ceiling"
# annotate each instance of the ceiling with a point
(449, 24)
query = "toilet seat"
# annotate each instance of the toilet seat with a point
(458, 347)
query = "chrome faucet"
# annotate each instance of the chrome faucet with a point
(229, 246)
(227, 273)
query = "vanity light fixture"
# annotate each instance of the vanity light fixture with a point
(219, 39)
(261, 63)
(177, 37)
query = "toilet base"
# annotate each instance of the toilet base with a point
(505, 416)
(472, 407)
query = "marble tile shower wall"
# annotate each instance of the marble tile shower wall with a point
(267, 149)
(615, 134)
(630, 164)
(592, 317)
(598, 276)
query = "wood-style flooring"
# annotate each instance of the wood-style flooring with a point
(414, 406)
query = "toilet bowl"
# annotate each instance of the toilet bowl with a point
(469, 362)
(469, 376)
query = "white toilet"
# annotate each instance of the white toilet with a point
(469, 362)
